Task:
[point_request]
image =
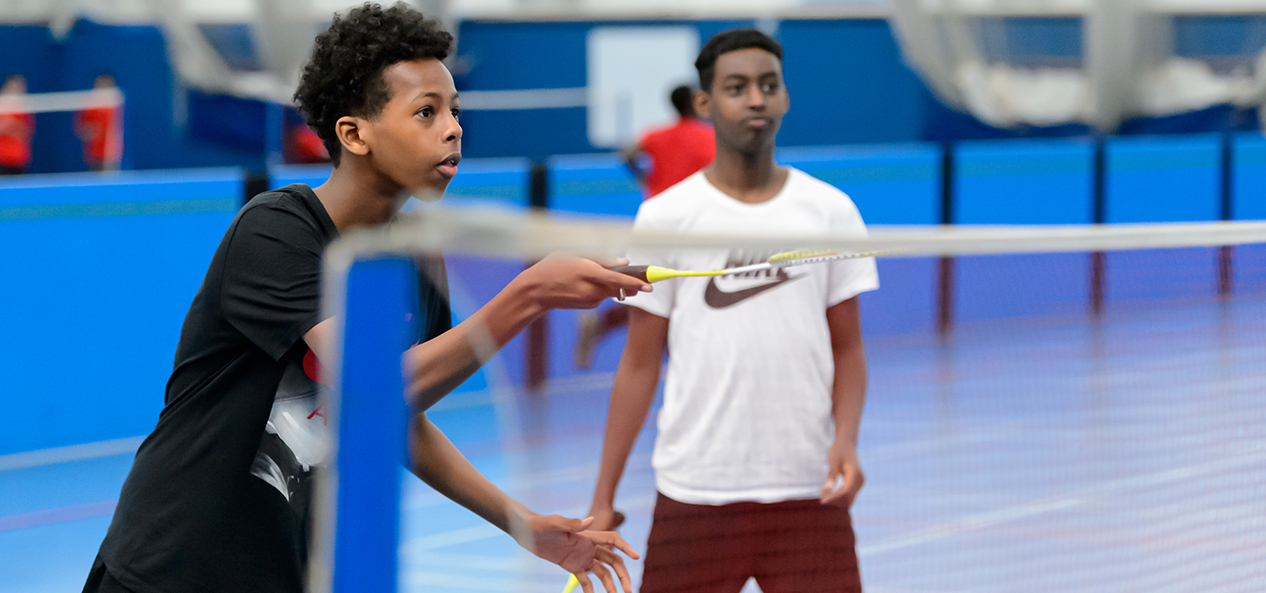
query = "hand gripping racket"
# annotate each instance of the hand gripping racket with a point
(654, 274)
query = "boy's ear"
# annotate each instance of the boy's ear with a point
(703, 104)
(353, 134)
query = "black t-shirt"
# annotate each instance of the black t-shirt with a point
(217, 499)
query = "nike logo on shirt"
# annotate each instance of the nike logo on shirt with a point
(716, 298)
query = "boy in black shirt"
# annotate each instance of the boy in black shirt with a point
(217, 499)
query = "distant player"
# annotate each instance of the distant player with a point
(756, 458)
(676, 152)
(101, 129)
(16, 127)
(219, 496)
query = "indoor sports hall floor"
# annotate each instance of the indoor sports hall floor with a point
(1044, 455)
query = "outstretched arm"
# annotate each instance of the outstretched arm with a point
(631, 398)
(437, 366)
(848, 396)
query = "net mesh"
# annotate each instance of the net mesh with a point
(1049, 408)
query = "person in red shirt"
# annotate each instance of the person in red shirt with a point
(16, 127)
(306, 147)
(99, 129)
(677, 151)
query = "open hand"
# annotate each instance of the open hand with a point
(569, 544)
(842, 465)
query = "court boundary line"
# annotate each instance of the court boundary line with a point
(1058, 502)
(69, 453)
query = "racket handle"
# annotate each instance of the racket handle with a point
(638, 272)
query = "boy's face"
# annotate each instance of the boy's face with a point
(747, 100)
(416, 140)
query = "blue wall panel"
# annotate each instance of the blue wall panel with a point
(848, 84)
(1022, 182)
(867, 95)
(498, 181)
(499, 55)
(310, 175)
(1162, 179)
(890, 184)
(1248, 202)
(593, 184)
(534, 133)
(510, 55)
(104, 269)
(1248, 177)
(479, 181)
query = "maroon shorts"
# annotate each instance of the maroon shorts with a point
(796, 546)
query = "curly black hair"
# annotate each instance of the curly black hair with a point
(726, 42)
(344, 74)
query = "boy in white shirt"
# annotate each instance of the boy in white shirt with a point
(756, 459)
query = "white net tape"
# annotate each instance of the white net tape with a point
(65, 101)
(491, 232)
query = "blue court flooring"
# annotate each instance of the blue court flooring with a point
(1045, 454)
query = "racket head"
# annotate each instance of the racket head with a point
(809, 256)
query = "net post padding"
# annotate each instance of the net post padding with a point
(356, 533)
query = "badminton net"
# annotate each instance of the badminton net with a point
(1049, 408)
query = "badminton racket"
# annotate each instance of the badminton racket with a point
(654, 274)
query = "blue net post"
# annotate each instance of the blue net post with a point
(380, 297)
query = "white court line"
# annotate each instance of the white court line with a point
(480, 583)
(493, 396)
(70, 453)
(517, 564)
(1063, 501)
(450, 538)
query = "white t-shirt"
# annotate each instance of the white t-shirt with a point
(747, 414)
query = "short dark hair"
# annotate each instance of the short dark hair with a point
(683, 98)
(726, 42)
(343, 76)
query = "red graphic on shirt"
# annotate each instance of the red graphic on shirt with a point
(312, 368)
(318, 412)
